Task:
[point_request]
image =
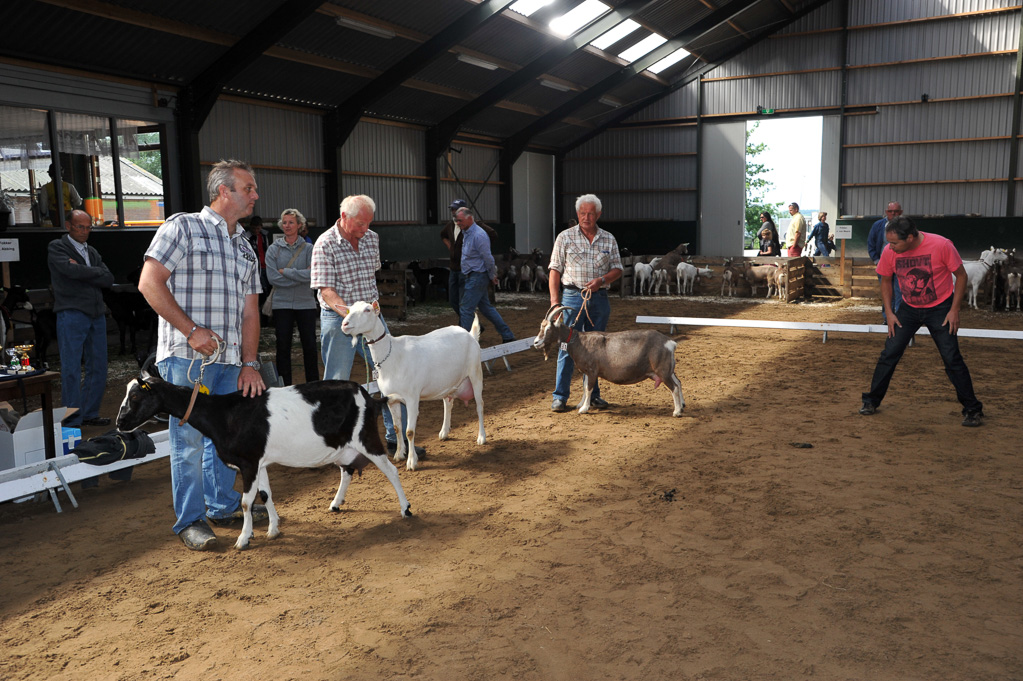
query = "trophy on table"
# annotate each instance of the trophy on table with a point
(20, 362)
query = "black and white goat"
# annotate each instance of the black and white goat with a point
(303, 426)
(622, 357)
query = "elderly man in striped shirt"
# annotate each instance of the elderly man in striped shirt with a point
(585, 258)
(345, 260)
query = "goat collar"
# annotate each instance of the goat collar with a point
(378, 339)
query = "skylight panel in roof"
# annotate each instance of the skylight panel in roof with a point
(577, 17)
(644, 46)
(673, 58)
(527, 7)
(615, 34)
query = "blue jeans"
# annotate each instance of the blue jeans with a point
(912, 318)
(600, 312)
(338, 357)
(201, 484)
(456, 284)
(896, 298)
(476, 295)
(80, 337)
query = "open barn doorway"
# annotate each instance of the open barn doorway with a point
(784, 163)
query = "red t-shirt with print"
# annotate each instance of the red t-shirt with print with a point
(924, 273)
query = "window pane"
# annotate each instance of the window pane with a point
(24, 157)
(141, 154)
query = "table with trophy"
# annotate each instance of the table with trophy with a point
(18, 378)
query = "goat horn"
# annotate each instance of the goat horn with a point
(555, 311)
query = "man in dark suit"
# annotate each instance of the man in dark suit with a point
(79, 276)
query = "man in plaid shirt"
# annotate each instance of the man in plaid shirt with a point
(345, 260)
(584, 258)
(201, 276)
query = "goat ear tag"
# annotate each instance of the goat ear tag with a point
(564, 346)
(203, 389)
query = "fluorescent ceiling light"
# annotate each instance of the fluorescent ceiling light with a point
(554, 85)
(610, 101)
(672, 59)
(615, 34)
(483, 64)
(644, 46)
(527, 7)
(371, 29)
(571, 21)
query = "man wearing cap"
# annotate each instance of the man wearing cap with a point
(452, 236)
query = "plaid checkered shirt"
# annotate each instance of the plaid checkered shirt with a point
(351, 273)
(211, 272)
(579, 261)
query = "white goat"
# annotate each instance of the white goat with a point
(441, 365)
(977, 271)
(782, 283)
(660, 278)
(686, 275)
(1012, 282)
(642, 274)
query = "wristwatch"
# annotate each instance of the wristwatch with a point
(254, 364)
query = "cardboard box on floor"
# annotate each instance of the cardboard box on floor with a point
(26, 444)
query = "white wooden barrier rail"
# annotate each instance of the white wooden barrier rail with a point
(814, 326)
(57, 474)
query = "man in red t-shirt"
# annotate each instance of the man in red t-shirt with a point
(925, 265)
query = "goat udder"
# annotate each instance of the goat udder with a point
(657, 380)
(464, 392)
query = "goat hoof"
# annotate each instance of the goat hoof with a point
(240, 546)
(334, 509)
(407, 513)
(273, 535)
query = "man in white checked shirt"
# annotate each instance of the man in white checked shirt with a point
(202, 277)
(584, 258)
(345, 260)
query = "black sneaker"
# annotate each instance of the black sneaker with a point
(973, 419)
(868, 408)
(259, 514)
(198, 537)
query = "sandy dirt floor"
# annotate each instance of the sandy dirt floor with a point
(623, 544)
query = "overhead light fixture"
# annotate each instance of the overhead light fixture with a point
(672, 59)
(482, 63)
(371, 29)
(560, 87)
(608, 39)
(610, 101)
(643, 47)
(527, 7)
(580, 15)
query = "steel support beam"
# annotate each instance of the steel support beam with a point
(460, 29)
(196, 100)
(516, 144)
(445, 131)
(625, 112)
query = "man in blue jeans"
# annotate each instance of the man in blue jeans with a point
(202, 277)
(78, 276)
(585, 258)
(479, 270)
(875, 246)
(345, 260)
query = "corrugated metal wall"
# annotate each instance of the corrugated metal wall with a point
(285, 147)
(895, 53)
(640, 173)
(387, 163)
(465, 176)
